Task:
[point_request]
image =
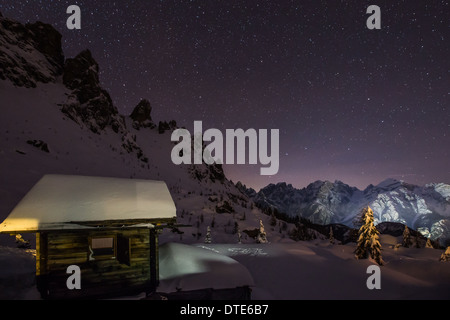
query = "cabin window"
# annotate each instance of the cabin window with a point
(102, 248)
(110, 247)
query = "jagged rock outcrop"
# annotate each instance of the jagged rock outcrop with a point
(141, 115)
(30, 53)
(82, 72)
(164, 126)
(249, 192)
(92, 104)
(213, 172)
(39, 144)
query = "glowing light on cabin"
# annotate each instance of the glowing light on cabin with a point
(19, 224)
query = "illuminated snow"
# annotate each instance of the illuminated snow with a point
(186, 267)
(57, 200)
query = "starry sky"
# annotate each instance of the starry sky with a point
(351, 104)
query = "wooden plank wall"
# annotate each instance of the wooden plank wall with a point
(100, 277)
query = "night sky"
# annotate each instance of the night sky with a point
(352, 104)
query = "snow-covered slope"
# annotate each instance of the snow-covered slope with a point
(276, 271)
(425, 208)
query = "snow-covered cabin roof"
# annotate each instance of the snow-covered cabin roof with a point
(69, 202)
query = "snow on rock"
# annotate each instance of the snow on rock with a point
(389, 184)
(185, 267)
(29, 53)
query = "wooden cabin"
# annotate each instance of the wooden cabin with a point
(108, 227)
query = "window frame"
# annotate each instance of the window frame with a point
(95, 257)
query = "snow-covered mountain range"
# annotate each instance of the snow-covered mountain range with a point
(424, 208)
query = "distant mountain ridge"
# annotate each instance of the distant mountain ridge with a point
(425, 208)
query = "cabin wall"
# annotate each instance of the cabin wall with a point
(101, 277)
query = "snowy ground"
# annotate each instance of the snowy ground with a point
(305, 270)
(290, 271)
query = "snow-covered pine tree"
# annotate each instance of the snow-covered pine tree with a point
(406, 238)
(262, 238)
(239, 236)
(235, 228)
(368, 240)
(445, 256)
(331, 237)
(208, 235)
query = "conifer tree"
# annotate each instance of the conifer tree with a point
(406, 238)
(368, 240)
(331, 237)
(445, 256)
(235, 228)
(261, 234)
(208, 235)
(429, 244)
(239, 236)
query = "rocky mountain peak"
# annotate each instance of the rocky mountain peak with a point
(389, 184)
(48, 41)
(142, 111)
(92, 105)
(29, 53)
(141, 115)
(250, 192)
(81, 71)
